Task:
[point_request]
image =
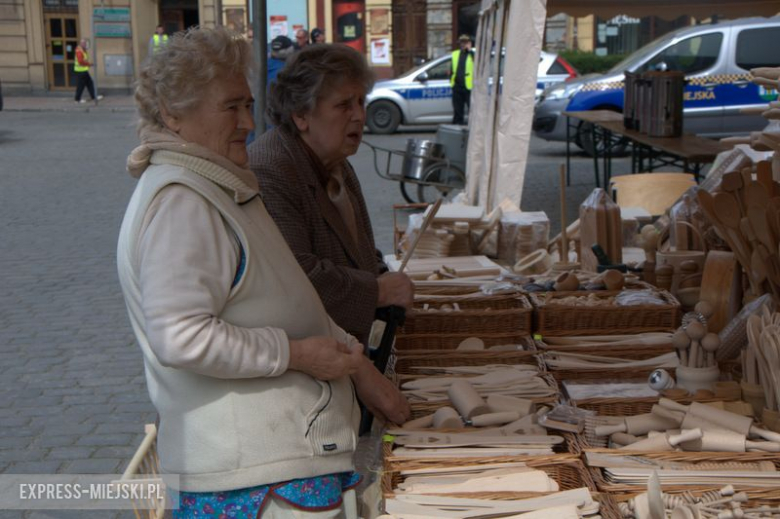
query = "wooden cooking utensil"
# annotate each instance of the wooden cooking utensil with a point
(756, 194)
(761, 228)
(426, 222)
(764, 174)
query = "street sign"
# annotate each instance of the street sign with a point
(111, 14)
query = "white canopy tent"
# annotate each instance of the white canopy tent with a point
(501, 110)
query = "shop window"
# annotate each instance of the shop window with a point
(690, 56)
(756, 48)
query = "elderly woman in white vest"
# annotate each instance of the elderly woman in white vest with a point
(253, 382)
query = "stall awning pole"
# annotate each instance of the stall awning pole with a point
(260, 48)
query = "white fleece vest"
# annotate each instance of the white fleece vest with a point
(220, 434)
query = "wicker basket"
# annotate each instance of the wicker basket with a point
(420, 409)
(446, 290)
(623, 407)
(563, 320)
(756, 498)
(478, 315)
(585, 373)
(627, 351)
(146, 464)
(629, 407)
(404, 364)
(569, 473)
(689, 457)
(427, 341)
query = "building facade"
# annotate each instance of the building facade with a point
(38, 38)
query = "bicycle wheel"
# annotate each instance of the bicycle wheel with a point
(406, 195)
(453, 178)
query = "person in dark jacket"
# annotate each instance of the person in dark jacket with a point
(317, 106)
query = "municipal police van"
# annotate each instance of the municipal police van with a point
(424, 96)
(716, 59)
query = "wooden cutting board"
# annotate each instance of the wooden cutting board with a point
(466, 266)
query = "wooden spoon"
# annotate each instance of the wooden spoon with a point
(756, 194)
(729, 216)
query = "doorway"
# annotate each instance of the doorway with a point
(178, 15)
(62, 38)
(466, 19)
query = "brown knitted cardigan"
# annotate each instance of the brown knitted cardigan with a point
(292, 183)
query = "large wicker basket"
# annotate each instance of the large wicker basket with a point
(420, 409)
(478, 315)
(562, 320)
(605, 485)
(586, 373)
(424, 342)
(569, 473)
(403, 358)
(624, 407)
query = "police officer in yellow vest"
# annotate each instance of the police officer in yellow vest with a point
(462, 79)
(158, 39)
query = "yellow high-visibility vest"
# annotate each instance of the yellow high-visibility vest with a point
(81, 68)
(468, 76)
(158, 42)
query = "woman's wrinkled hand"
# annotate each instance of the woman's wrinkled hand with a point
(380, 396)
(324, 358)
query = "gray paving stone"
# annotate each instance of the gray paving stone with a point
(14, 442)
(34, 467)
(116, 452)
(54, 439)
(93, 466)
(69, 453)
(88, 398)
(99, 440)
(119, 428)
(15, 455)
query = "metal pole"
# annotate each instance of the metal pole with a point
(260, 48)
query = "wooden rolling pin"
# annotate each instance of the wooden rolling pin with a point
(725, 419)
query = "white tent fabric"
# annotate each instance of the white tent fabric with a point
(500, 129)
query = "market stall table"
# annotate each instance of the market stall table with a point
(688, 151)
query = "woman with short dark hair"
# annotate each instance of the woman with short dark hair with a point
(311, 190)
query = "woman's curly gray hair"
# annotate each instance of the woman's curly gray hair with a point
(175, 77)
(306, 77)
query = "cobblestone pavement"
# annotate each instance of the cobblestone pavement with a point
(72, 391)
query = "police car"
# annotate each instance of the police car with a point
(424, 96)
(716, 60)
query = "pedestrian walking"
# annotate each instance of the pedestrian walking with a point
(462, 79)
(81, 68)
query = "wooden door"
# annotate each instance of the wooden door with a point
(172, 20)
(62, 38)
(410, 34)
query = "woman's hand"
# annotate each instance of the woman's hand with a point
(324, 358)
(380, 396)
(395, 288)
